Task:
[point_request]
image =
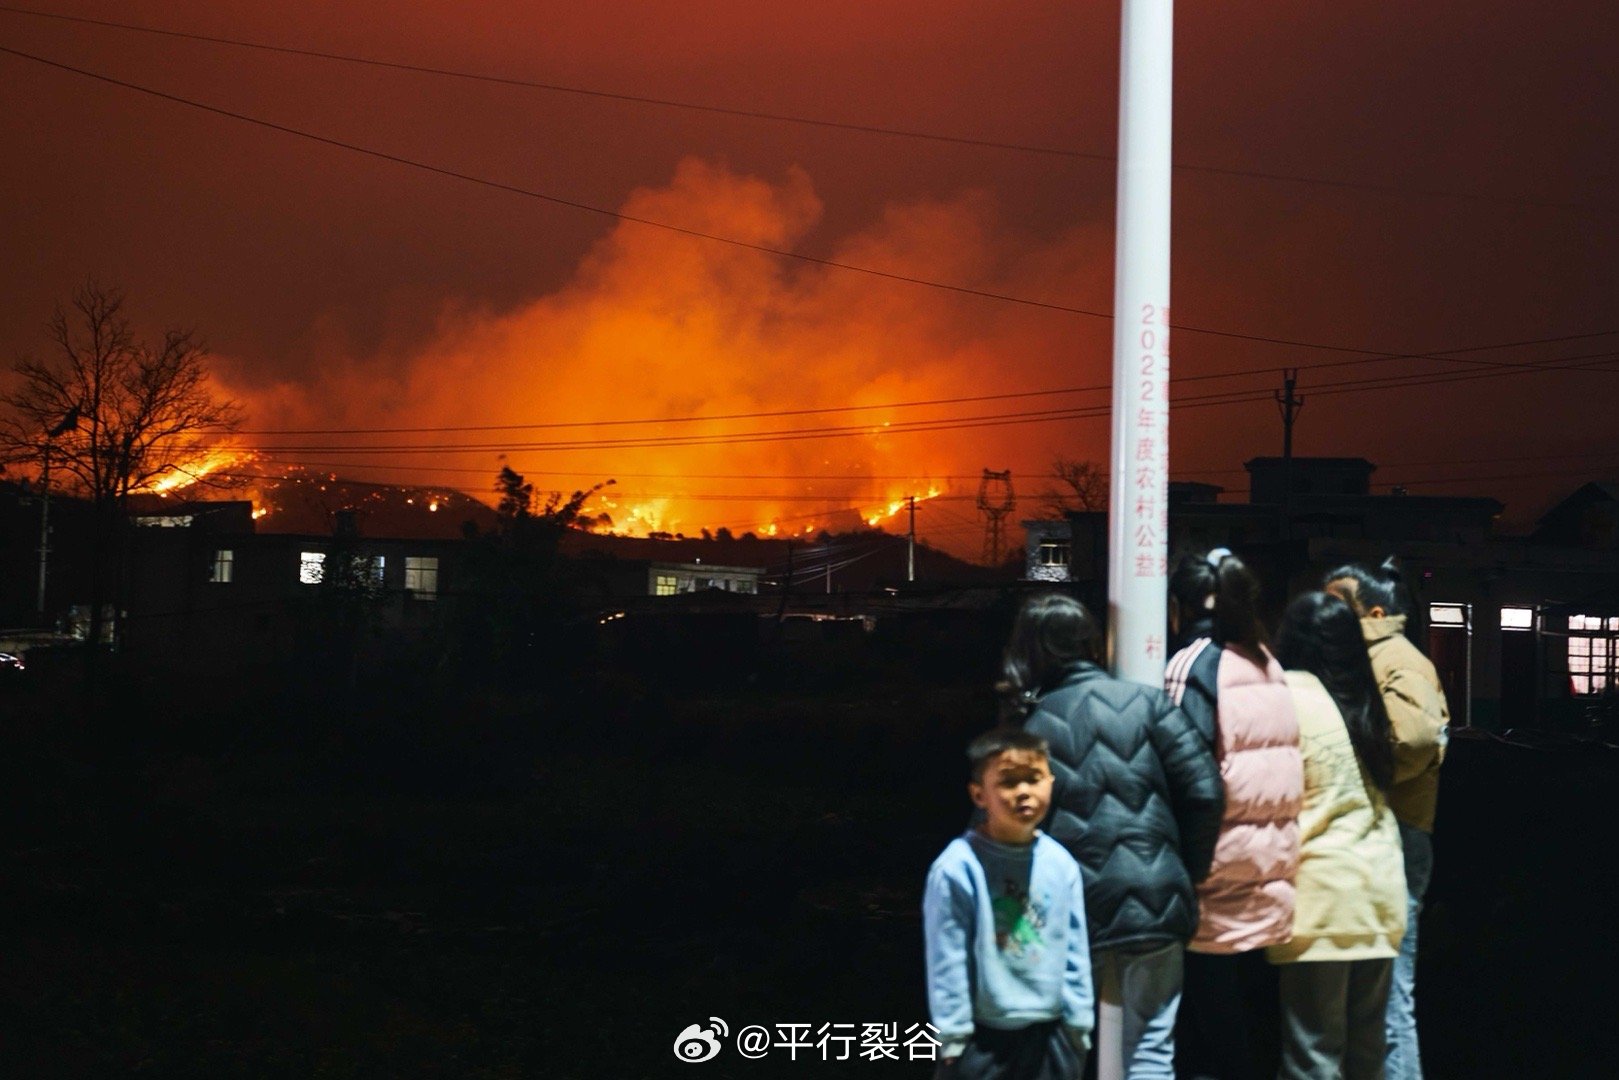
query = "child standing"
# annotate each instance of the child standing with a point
(1008, 956)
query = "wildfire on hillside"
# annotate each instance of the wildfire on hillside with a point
(667, 516)
(723, 386)
(210, 465)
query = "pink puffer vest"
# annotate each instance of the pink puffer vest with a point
(1246, 902)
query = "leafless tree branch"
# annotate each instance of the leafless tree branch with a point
(1076, 485)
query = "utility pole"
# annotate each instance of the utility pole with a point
(44, 526)
(910, 542)
(1138, 500)
(1290, 405)
(786, 585)
(70, 422)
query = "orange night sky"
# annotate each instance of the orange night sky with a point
(1375, 177)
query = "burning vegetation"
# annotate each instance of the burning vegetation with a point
(723, 387)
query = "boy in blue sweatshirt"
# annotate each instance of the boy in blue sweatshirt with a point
(1009, 964)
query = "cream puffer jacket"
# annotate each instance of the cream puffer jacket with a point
(1350, 902)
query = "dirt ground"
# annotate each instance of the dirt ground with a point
(562, 901)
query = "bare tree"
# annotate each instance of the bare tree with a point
(1077, 485)
(113, 414)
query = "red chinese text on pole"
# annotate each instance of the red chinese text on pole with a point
(1147, 444)
(1138, 509)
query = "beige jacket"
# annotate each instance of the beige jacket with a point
(1416, 706)
(1351, 901)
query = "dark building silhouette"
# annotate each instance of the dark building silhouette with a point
(1523, 629)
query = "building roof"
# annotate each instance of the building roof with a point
(1308, 462)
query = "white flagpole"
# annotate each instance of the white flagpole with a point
(1138, 509)
(1138, 503)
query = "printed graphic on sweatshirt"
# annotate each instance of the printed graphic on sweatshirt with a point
(1019, 921)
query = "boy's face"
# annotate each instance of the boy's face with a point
(1015, 794)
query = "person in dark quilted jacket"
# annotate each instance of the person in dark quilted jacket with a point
(1137, 800)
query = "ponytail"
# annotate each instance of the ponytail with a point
(1220, 584)
(1373, 588)
(1236, 605)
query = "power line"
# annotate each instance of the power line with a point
(912, 427)
(762, 414)
(1448, 356)
(1428, 481)
(619, 215)
(531, 193)
(936, 501)
(807, 121)
(905, 478)
(717, 439)
(1579, 454)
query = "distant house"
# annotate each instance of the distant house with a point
(1522, 629)
(204, 587)
(1589, 518)
(671, 579)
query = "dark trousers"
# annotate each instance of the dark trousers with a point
(1332, 1019)
(1036, 1052)
(1228, 1018)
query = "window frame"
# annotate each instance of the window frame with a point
(1591, 654)
(311, 567)
(422, 578)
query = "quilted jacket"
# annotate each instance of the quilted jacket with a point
(1136, 800)
(1240, 704)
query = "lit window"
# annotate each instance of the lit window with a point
(665, 585)
(377, 563)
(1447, 615)
(223, 570)
(1053, 553)
(421, 576)
(311, 567)
(1593, 653)
(1517, 618)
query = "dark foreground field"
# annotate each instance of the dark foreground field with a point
(505, 888)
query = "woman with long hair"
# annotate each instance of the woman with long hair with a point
(1136, 799)
(1231, 687)
(1351, 912)
(1420, 723)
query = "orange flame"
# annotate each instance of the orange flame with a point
(701, 376)
(205, 463)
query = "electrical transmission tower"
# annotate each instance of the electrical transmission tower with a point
(995, 501)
